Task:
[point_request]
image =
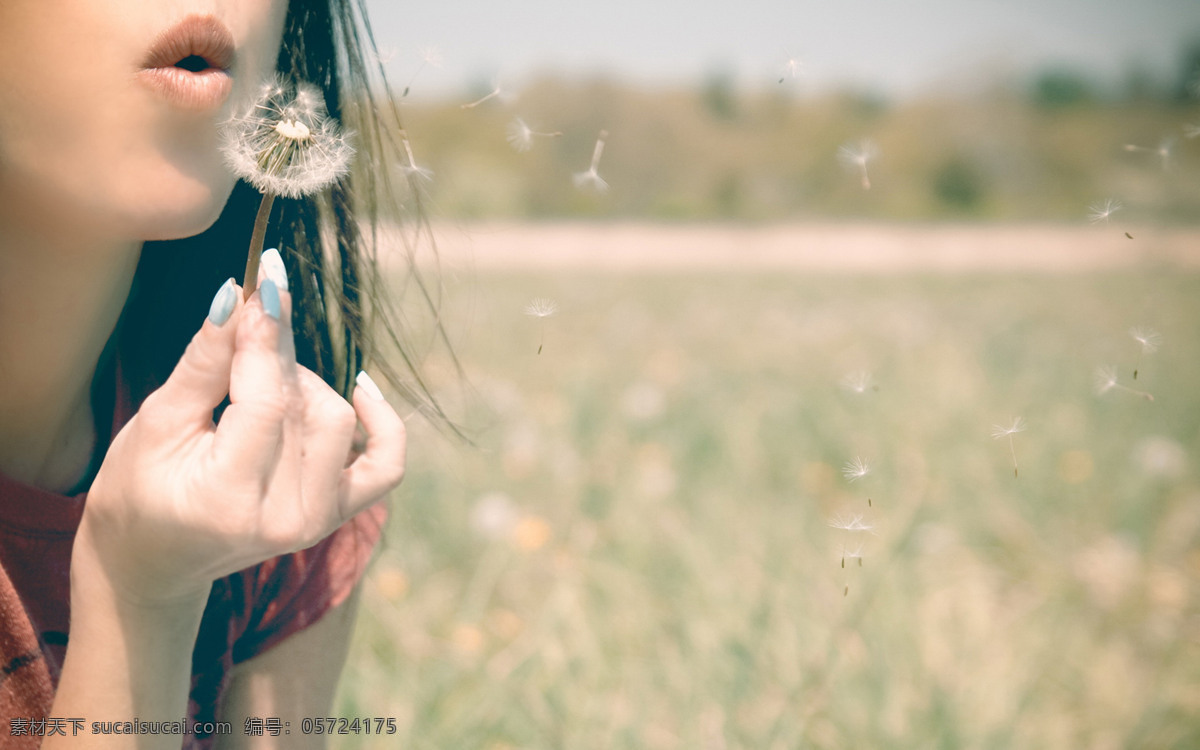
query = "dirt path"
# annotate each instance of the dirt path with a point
(857, 248)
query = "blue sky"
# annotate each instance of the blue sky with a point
(897, 47)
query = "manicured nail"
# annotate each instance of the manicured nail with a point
(364, 381)
(223, 303)
(269, 295)
(271, 263)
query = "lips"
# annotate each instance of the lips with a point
(188, 64)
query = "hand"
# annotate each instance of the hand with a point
(180, 502)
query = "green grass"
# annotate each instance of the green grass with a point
(674, 457)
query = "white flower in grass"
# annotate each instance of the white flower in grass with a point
(1101, 211)
(857, 156)
(591, 177)
(856, 469)
(521, 135)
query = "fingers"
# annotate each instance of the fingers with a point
(200, 380)
(381, 467)
(265, 400)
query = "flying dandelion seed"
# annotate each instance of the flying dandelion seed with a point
(497, 91)
(791, 69)
(1106, 380)
(851, 523)
(1162, 151)
(521, 136)
(856, 469)
(1000, 431)
(431, 57)
(411, 168)
(858, 381)
(1191, 131)
(856, 157)
(541, 308)
(853, 554)
(1102, 211)
(591, 177)
(1149, 339)
(285, 144)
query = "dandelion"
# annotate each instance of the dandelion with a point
(858, 381)
(856, 157)
(591, 177)
(791, 69)
(497, 91)
(851, 523)
(856, 469)
(411, 168)
(1101, 211)
(430, 56)
(1106, 380)
(1163, 150)
(521, 135)
(541, 308)
(853, 554)
(1149, 340)
(284, 144)
(1000, 431)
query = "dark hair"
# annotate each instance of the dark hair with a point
(327, 241)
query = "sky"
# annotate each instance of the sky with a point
(894, 47)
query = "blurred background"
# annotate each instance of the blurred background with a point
(830, 370)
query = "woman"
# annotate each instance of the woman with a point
(209, 574)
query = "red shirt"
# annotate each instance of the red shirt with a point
(247, 613)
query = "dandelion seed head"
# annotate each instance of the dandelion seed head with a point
(1147, 337)
(541, 307)
(856, 469)
(1101, 211)
(1000, 431)
(285, 143)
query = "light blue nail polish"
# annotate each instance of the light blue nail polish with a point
(272, 265)
(223, 303)
(269, 294)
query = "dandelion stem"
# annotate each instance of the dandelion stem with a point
(250, 282)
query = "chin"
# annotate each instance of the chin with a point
(191, 209)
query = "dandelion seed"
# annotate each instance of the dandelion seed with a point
(412, 168)
(1163, 150)
(856, 469)
(1000, 431)
(497, 91)
(1130, 236)
(591, 177)
(430, 57)
(385, 56)
(857, 156)
(853, 554)
(852, 523)
(284, 144)
(1149, 340)
(541, 308)
(858, 381)
(791, 68)
(521, 135)
(1101, 211)
(1106, 380)
(1191, 131)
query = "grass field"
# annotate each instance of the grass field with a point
(644, 551)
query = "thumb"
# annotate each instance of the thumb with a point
(200, 381)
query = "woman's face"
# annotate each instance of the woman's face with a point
(97, 120)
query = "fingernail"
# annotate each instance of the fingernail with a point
(268, 293)
(364, 381)
(272, 265)
(223, 303)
